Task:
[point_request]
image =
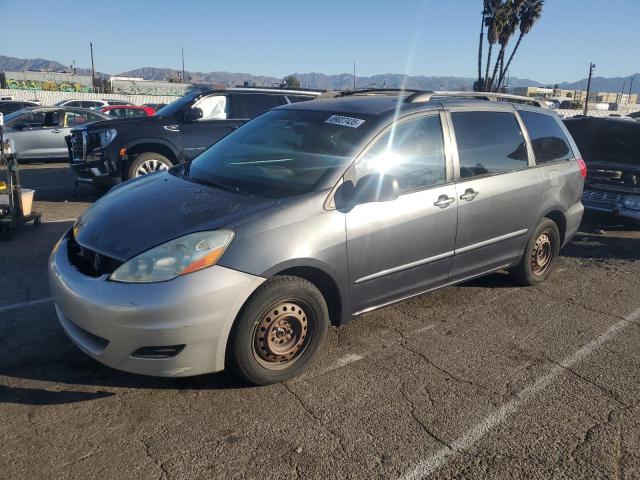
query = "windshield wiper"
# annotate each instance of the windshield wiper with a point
(221, 186)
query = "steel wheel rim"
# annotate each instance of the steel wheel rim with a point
(281, 334)
(542, 254)
(150, 166)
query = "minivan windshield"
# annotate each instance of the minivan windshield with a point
(282, 153)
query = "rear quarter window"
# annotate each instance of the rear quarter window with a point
(489, 143)
(548, 140)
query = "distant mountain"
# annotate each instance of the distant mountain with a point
(320, 80)
(12, 64)
(602, 84)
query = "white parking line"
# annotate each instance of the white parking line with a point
(13, 306)
(429, 465)
(64, 220)
(341, 362)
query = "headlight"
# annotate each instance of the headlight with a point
(107, 136)
(183, 255)
(631, 202)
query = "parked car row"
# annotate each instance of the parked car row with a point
(106, 153)
(309, 215)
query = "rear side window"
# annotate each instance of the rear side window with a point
(488, 143)
(548, 140)
(257, 104)
(412, 151)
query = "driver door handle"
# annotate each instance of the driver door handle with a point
(444, 201)
(469, 194)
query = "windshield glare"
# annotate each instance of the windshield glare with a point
(281, 153)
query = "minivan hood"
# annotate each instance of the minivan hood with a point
(149, 211)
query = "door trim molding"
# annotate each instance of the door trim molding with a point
(448, 284)
(406, 266)
(491, 241)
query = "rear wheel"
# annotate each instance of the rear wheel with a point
(279, 331)
(539, 256)
(148, 162)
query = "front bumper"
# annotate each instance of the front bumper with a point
(608, 202)
(109, 321)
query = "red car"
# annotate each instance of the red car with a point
(127, 111)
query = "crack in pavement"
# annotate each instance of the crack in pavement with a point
(608, 393)
(571, 301)
(313, 415)
(412, 411)
(440, 369)
(163, 471)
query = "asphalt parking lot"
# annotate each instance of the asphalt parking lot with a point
(481, 380)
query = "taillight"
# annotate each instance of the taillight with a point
(583, 168)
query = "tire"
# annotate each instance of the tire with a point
(148, 162)
(294, 317)
(540, 255)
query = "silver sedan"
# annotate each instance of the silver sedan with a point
(38, 133)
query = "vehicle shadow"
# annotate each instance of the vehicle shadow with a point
(50, 357)
(602, 246)
(55, 182)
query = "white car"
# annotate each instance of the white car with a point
(96, 104)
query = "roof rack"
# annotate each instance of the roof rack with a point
(427, 95)
(367, 92)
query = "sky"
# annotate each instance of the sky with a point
(276, 38)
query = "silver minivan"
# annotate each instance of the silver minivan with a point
(308, 216)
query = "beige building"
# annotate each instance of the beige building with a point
(578, 95)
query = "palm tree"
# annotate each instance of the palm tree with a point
(493, 31)
(530, 13)
(508, 21)
(486, 11)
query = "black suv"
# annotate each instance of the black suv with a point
(106, 153)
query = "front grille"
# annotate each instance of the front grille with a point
(88, 262)
(601, 196)
(77, 147)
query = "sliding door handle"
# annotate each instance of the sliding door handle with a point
(469, 194)
(444, 201)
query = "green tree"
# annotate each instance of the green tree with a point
(291, 82)
(486, 11)
(493, 31)
(530, 12)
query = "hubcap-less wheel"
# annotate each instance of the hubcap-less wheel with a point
(280, 335)
(149, 166)
(542, 254)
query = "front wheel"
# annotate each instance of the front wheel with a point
(540, 255)
(279, 331)
(148, 162)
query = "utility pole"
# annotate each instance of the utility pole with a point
(183, 79)
(354, 75)
(586, 101)
(630, 85)
(93, 70)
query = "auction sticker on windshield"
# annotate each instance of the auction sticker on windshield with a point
(344, 121)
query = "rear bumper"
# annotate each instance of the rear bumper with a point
(574, 217)
(109, 321)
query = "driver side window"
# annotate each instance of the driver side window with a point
(214, 107)
(411, 151)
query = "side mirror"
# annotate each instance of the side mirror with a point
(193, 114)
(375, 187)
